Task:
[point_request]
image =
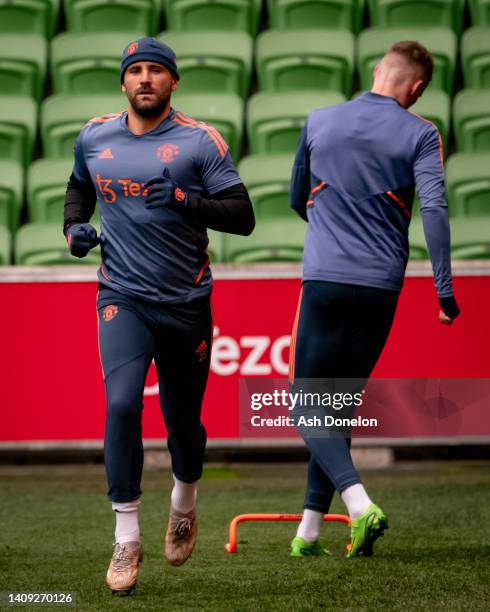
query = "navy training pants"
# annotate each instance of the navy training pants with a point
(340, 332)
(178, 337)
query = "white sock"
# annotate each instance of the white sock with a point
(127, 525)
(183, 497)
(356, 499)
(309, 528)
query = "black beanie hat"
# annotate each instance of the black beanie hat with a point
(148, 50)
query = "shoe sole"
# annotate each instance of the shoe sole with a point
(306, 553)
(125, 593)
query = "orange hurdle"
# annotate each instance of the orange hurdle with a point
(231, 546)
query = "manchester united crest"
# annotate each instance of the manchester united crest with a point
(132, 48)
(168, 152)
(110, 312)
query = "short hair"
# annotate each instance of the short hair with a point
(416, 56)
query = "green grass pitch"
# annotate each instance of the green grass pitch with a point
(57, 528)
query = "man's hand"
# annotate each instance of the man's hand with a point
(81, 238)
(449, 310)
(164, 192)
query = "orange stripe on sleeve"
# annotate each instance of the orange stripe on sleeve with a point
(105, 118)
(441, 148)
(204, 126)
(211, 131)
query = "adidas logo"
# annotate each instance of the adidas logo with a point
(202, 347)
(106, 154)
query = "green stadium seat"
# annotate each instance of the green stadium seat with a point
(275, 120)
(267, 178)
(435, 106)
(471, 119)
(468, 184)
(403, 13)
(480, 12)
(46, 187)
(38, 244)
(223, 111)
(272, 240)
(23, 59)
(5, 246)
(416, 239)
(329, 14)
(87, 62)
(299, 60)
(475, 58)
(215, 246)
(29, 16)
(62, 118)
(212, 62)
(113, 16)
(227, 15)
(470, 237)
(11, 193)
(441, 42)
(18, 124)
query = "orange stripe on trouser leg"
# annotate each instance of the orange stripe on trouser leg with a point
(292, 352)
(98, 335)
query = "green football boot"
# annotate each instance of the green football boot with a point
(365, 531)
(302, 548)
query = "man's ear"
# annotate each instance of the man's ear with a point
(175, 84)
(417, 88)
(375, 70)
(123, 88)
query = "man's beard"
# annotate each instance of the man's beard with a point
(149, 110)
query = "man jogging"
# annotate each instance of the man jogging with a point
(161, 178)
(356, 169)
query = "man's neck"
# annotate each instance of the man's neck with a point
(389, 90)
(141, 125)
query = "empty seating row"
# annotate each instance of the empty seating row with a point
(267, 179)
(273, 121)
(272, 240)
(214, 62)
(41, 16)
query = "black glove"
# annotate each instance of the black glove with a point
(164, 192)
(81, 238)
(449, 307)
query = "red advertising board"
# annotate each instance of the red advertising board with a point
(51, 382)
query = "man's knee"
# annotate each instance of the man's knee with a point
(124, 406)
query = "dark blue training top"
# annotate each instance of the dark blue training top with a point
(354, 177)
(154, 254)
